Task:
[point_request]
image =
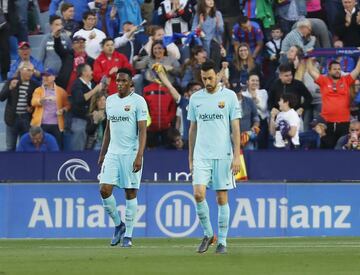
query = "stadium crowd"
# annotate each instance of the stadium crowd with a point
(292, 63)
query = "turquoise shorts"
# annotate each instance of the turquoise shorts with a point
(118, 170)
(214, 173)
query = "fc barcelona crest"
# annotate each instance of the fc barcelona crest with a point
(221, 104)
(127, 108)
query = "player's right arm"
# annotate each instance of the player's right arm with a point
(192, 139)
(105, 143)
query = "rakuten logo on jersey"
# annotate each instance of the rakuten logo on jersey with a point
(210, 117)
(119, 118)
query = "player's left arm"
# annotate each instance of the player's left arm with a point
(235, 129)
(142, 142)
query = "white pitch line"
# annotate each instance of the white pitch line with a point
(194, 246)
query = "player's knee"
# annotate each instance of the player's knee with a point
(199, 196)
(105, 191)
(130, 194)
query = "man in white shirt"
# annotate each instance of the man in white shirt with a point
(92, 35)
(285, 124)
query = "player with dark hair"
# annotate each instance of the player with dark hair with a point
(214, 113)
(121, 154)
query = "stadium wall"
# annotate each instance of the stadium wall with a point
(74, 210)
(168, 165)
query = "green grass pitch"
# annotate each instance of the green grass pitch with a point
(177, 256)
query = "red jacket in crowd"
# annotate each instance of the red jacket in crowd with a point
(103, 65)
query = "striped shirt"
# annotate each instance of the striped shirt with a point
(23, 95)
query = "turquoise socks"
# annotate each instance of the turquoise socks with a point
(202, 210)
(130, 214)
(223, 222)
(110, 207)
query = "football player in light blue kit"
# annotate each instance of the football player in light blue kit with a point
(121, 154)
(214, 151)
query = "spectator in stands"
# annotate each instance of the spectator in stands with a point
(107, 17)
(242, 65)
(157, 33)
(129, 10)
(96, 122)
(260, 98)
(350, 141)
(70, 25)
(50, 102)
(108, 63)
(311, 139)
(249, 122)
(181, 100)
(70, 58)
(273, 46)
(4, 42)
(159, 55)
(162, 108)
(347, 24)
(289, 12)
(82, 91)
(18, 93)
(300, 36)
(80, 6)
(209, 23)
(92, 35)
(48, 57)
(191, 68)
(285, 124)
(176, 16)
(286, 84)
(129, 42)
(175, 140)
(24, 52)
(335, 91)
(249, 32)
(36, 140)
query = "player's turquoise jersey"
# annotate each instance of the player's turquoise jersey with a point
(123, 115)
(213, 114)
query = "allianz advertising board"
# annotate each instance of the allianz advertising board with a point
(168, 210)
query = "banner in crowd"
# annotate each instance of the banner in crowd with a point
(170, 165)
(168, 210)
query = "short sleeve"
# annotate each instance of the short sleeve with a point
(321, 80)
(191, 112)
(141, 110)
(349, 80)
(235, 110)
(294, 119)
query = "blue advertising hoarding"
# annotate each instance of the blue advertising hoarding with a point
(170, 165)
(168, 210)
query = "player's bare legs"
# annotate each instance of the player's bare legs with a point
(130, 214)
(223, 219)
(109, 203)
(202, 210)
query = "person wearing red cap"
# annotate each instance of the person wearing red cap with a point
(71, 58)
(24, 52)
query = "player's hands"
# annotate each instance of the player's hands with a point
(137, 164)
(101, 159)
(235, 165)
